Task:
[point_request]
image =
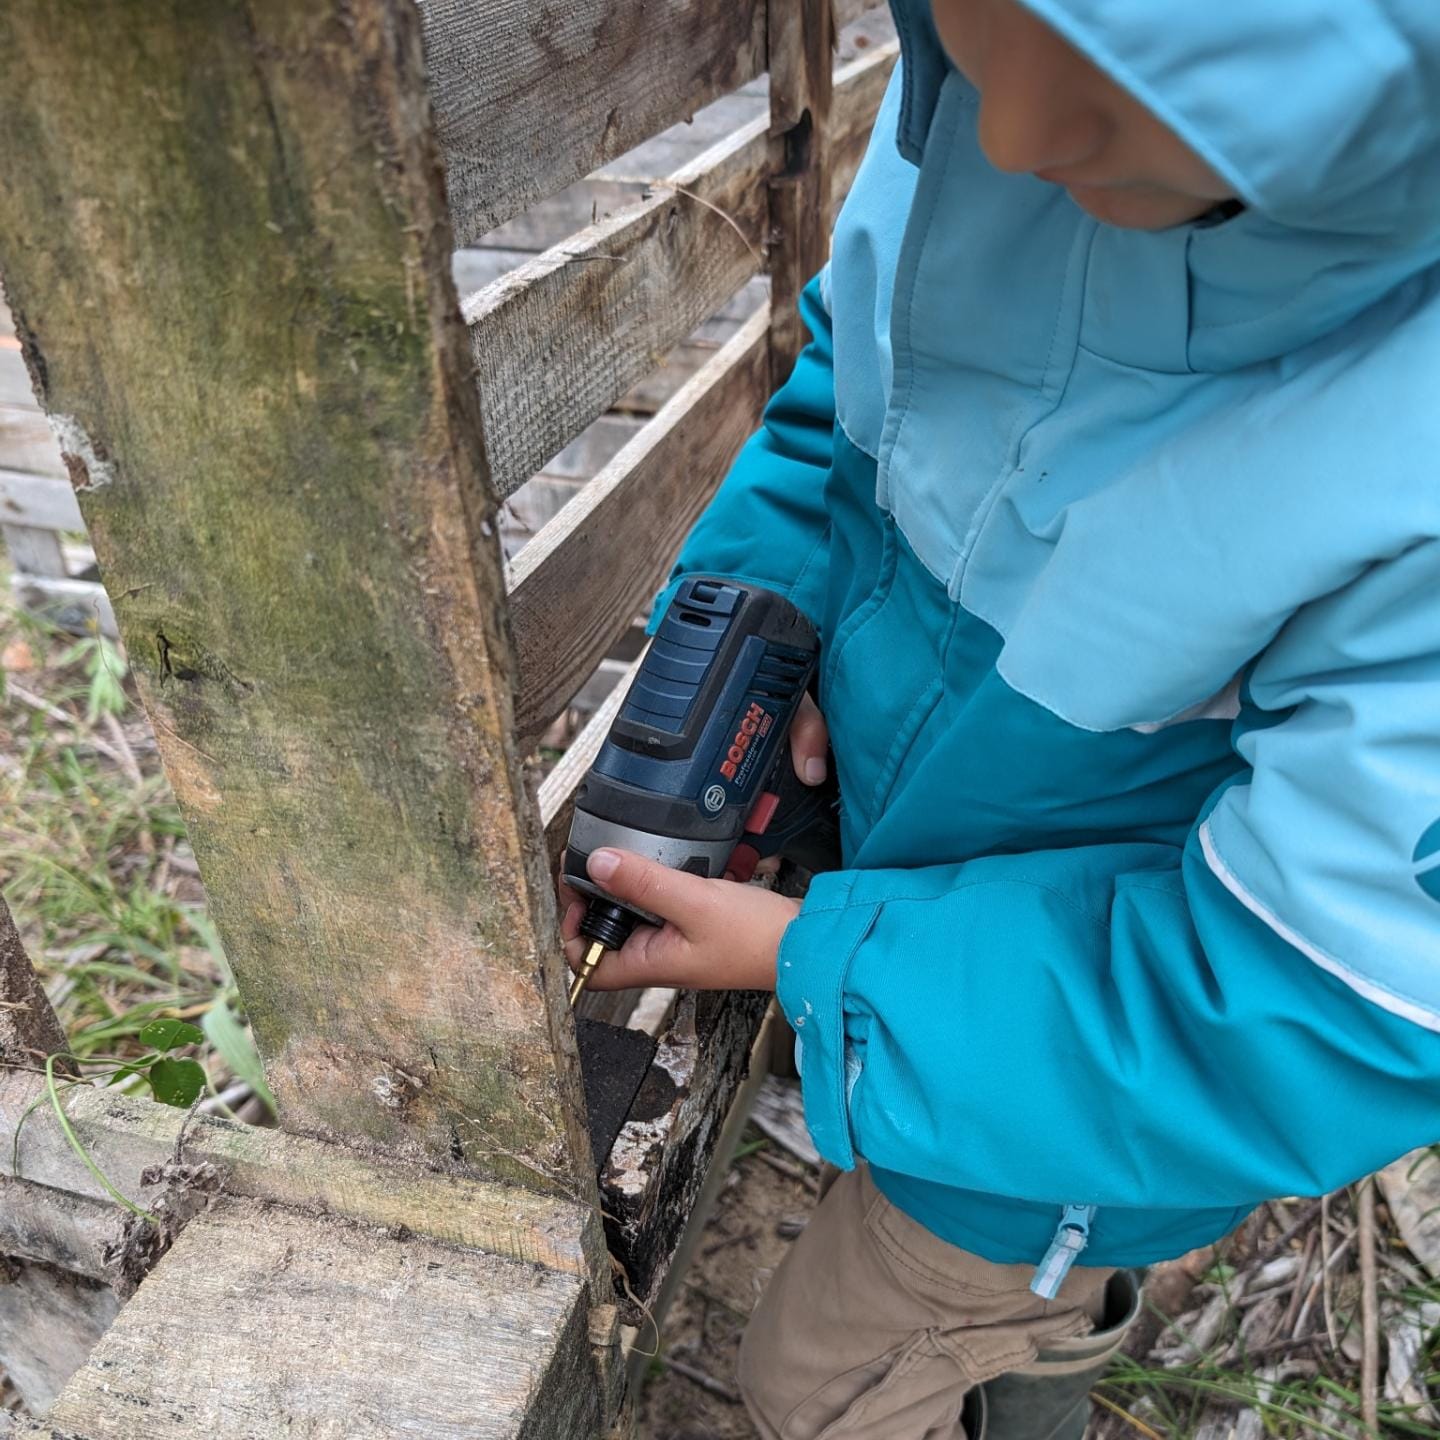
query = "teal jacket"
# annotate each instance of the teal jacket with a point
(1125, 553)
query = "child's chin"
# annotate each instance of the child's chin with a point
(1137, 209)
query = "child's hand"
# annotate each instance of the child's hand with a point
(718, 935)
(809, 742)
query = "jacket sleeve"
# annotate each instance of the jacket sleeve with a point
(1255, 1014)
(767, 523)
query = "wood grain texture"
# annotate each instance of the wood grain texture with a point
(659, 1162)
(560, 339)
(801, 89)
(261, 1323)
(29, 1030)
(625, 69)
(68, 1231)
(578, 583)
(282, 471)
(127, 1136)
(46, 502)
(49, 1322)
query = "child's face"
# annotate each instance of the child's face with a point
(1047, 110)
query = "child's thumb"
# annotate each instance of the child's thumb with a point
(671, 894)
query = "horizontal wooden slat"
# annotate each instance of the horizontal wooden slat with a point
(561, 338)
(557, 789)
(529, 98)
(44, 501)
(859, 88)
(14, 378)
(577, 585)
(848, 11)
(129, 1137)
(26, 442)
(75, 604)
(263, 1322)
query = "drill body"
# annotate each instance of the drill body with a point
(696, 771)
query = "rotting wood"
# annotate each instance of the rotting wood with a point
(560, 339)
(262, 1323)
(127, 1136)
(29, 1030)
(626, 68)
(801, 87)
(658, 1164)
(579, 582)
(288, 498)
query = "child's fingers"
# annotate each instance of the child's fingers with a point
(673, 895)
(809, 742)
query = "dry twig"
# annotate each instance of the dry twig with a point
(1369, 1309)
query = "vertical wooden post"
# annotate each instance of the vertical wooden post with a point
(225, 244)
(801, 41)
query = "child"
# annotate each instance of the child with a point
(1110, 480)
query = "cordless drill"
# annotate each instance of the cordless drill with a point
(696, 771)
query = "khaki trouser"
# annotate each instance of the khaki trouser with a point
(875, 1329)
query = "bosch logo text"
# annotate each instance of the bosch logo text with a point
(756, 721)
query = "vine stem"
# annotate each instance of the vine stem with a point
(79, 1149)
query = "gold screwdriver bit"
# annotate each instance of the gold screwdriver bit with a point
(582, 976)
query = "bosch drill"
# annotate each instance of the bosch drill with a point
(696, 770)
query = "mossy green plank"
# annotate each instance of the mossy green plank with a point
(225, 245)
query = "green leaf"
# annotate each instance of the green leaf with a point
(234, 1046)
(169, 1035)
(124, 1072)
(177, 1082)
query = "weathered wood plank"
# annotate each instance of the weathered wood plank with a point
(26, 442)
(801, 86)
(71, 604)
(127, 1135)
(578, 584)
(558, 340)
(56, 1227)
(29, 1030)
(35, 552)
(659, 1162)
(39, 500)
(49, 1322)
(262, 1323)
(848, 11)
(14, 379)
(626, 68)
(282, 470)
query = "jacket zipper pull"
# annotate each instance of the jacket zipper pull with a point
(1072, 1235)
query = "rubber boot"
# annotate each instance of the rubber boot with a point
(1049, 1399)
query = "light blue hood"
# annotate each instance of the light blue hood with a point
(1323, 115)
(1124, 549)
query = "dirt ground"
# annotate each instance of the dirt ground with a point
(756, 1217)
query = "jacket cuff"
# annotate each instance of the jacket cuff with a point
(814, 959)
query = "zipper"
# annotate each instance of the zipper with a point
(1072, 1235)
